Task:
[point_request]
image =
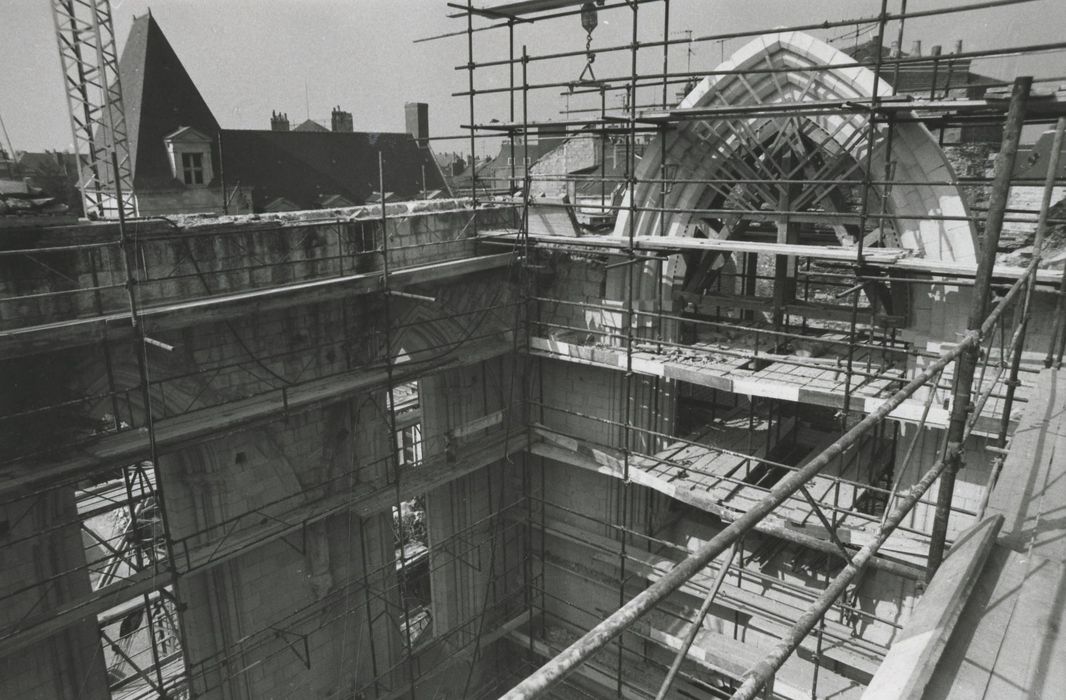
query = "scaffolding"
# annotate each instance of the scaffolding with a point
(875, 379)
(809, 312)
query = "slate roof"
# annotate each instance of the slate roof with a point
(306, 166)
(302, 166)
(159, 97)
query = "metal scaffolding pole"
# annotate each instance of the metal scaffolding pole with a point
(964, 372)
(579, 651)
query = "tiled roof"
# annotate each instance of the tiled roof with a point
(159, 97)
(305, 166)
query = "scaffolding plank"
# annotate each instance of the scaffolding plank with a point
(670, 244)
(769, 614)
(913, 657)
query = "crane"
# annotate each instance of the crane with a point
(85, 35)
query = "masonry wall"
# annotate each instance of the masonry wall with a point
(66, 665)
(282, 528)
(216, 255)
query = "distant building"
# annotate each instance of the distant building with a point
(588, 172)
(184, 162)
(504, 173)
(943, 75)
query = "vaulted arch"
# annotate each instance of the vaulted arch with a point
(712, 158)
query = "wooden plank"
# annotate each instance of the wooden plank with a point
(728, 377)
(1032, 485)
(913, 657)
(776, 525)
(587, 670)
(669, 244)
(769, 614)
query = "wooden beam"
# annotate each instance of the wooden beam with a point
(914, 655)
(675, 244)
(708, 303)
(596, 459)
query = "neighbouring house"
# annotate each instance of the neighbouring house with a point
(941, 75)
(185, 162)
(587, 171)
(504, 172)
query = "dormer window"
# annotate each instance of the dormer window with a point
(192, 167)
(189, 152)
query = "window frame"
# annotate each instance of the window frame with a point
(192, 167)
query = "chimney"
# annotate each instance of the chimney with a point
(550, 134)
(341, 121)
(916, 48)
(958, 46)
(935, 51)
(416, 115)
(894, 52)
(279, 121)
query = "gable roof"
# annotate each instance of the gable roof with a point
(310, 125)
(188, 133)
(159, 98)
(304, 166)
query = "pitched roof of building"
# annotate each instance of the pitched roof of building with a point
(159, 97)
(30, 162)
(310, 125)
(305, 166)
(918, 77)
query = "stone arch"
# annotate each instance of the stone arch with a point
(704, 150)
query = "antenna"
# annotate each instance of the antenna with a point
(10, 148)
(687, 33)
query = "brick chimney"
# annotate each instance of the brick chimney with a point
(279, 121)
(341, 121)
(416, 115)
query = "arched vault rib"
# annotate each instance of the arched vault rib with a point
(725, 149)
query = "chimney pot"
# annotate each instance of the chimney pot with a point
(894, 52)
(935, 51)
(916, 48)
(958, 46)
(279, 121)
(341, 121)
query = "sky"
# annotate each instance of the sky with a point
(304, 57)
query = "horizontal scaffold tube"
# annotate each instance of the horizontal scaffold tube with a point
(596, 638)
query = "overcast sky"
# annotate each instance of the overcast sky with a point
(304, 57)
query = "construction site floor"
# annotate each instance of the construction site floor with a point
(1008, 642)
